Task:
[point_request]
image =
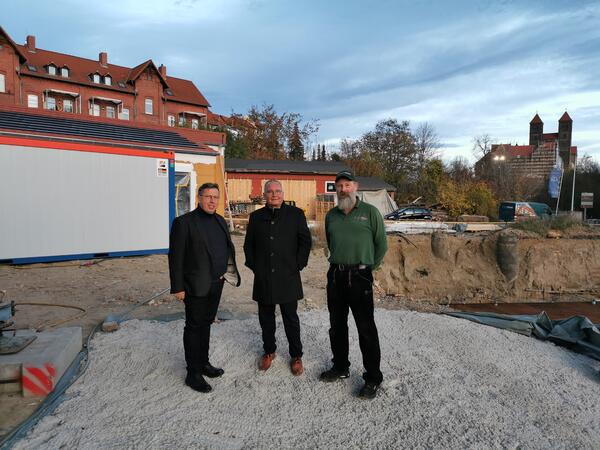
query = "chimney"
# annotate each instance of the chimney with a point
(163, 70)
(31, 44)
(103, 59)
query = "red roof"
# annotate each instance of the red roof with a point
(565, 118)
(574, 150)
(549, 136)
(80, 70)
(536, 119)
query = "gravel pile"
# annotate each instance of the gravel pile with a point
(449, 383)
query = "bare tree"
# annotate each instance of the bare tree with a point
(426, 142)
(482, 145)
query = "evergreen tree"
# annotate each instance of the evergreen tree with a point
(323, 155)
(296, 146)
(313, 155)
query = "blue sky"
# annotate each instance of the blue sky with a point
(466, 67)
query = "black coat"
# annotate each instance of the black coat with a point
(277, 246)
(189, 255)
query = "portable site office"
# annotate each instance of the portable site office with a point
(76, 189)
(66, 200)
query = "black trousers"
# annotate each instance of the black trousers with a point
(291, 324)
(353, 290)
(200, 313)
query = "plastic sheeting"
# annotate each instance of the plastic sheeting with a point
(577, 333)
(380, 199)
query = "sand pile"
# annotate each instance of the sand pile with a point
(449, 383)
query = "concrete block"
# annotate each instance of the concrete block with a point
(36, 370)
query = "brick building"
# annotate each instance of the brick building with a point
(536, 159)
(80, 94)
(144, 94)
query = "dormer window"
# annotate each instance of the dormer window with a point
(51, 69)
(107, 80)
(64, 72)
(96, 78)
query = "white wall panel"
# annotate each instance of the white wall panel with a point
(62, 202)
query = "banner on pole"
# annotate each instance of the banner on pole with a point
(554, 182)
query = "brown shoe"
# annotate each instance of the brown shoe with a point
(296, 366)
(266, 360)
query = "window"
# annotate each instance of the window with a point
(148, 106)
(64, 72)
(51, 103)
(181, 120)
(168, 92)
(52, 70)
(194, 124)
(94, 109)
(107, 80)
(171, 120)
(124, 114)
(68, 106)
(2, 83)
(96, 78)
(121, 84)
(32, 68)
(32, 101)
(110, 112)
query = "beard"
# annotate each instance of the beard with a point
(347, 202)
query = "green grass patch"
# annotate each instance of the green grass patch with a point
(542, 226)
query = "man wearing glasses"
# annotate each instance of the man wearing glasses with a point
(277, 247)
(201, 257)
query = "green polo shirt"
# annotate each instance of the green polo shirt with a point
(357, 237)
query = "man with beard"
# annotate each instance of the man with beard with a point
(277, 247)
(357, 244)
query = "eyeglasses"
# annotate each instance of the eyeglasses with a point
(211, 197)
(277, 191)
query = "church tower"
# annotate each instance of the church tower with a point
(536, 130)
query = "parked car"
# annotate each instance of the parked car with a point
(410, 213)
(518, 211)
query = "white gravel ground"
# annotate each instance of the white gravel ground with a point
(449, 383)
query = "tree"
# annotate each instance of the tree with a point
(426, 143)
(296, 146)
(392, 143)
(313, 155)
(460, 170)
(234, 148)
(323, 154)
(482, 145)
(270, 135)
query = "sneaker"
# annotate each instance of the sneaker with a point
(211, 371)
(197, 383)
(334, 374)
(369, 390)
(296, 366)
(265, 361)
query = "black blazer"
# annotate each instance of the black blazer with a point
(277, 249)
(189, 256)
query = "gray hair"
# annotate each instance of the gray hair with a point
(271, 181)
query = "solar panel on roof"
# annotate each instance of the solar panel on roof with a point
(45, 124)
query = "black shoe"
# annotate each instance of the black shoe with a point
(210, 371)
(334, 374)
(197, 383)
(369, 390)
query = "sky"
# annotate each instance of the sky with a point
(466, 67)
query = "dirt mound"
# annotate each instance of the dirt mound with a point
(466, 269)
